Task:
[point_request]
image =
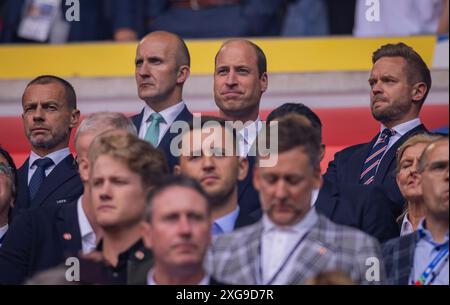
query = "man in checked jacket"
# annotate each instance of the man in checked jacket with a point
(293, 242)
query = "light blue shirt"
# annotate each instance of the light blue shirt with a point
(3, 231)
(56, 156)
(426, 251)
(226, 223)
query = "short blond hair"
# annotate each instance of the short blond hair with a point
(139, 156)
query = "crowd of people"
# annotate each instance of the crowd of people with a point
(166, 197)
(127, 20)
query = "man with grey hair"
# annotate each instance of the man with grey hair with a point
(41, 238)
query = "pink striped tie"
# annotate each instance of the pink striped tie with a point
(372, 162)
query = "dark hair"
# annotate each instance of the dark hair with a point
(11, 164)
(174, 181)
(297, 108)
(416, 68)
(208, 119)
(261, 60)
(69, 91)
(294, 132)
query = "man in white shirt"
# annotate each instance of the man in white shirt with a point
(218, 168)
(49, 176)
(63, 229)
(292, 243)
(162, 67)
(240, 79)
(177, 228)
(7, 190)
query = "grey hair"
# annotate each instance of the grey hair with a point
(103, 121)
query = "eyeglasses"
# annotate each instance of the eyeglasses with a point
(6, 170)
(438, 168)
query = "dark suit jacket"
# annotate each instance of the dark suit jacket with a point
(398, 258)
(248, 197)
(344, 172)
(62, 185)
(164, 145)
(247, 218)
(35, 241)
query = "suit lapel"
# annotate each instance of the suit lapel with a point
(185, 116)
(242, 185)
(313, 256)
(23, 194)
(68, 229)
(64, 171)
(253, 257)
(389, 157)
(357, 161)
(404, 265)
(137, 120)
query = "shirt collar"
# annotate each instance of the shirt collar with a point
(151, 280)
(252, 131)
(426, 234)
(302, 226)
(56, 156)
(85, 226)
(407, 226)
(3, 230)
(403, 128)
(227, 222)
(169, 114)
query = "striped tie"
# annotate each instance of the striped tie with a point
(39, 175)
(373, 161)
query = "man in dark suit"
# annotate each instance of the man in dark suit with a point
(177, 228)
(218, 168)
(162, 67)
(49, 175)
(42, 238)
(421, 258)
(8, 186)
(240, 79)
(399, 82)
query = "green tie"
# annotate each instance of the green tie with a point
(152, 134)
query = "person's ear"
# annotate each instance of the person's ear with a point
(83, 169)
(243, 168)
(177, 170)
(183, 74)
(419, 91)
(74, 118)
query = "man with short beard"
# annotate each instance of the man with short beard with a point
(49, 176)
(218, 168)
(399, 84)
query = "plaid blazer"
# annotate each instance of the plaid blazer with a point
(233, 258)
(398, 258)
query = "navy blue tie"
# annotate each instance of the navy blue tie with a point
(39, 175)
(374, 159)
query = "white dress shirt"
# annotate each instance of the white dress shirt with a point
(151, 279)
(169, 115)
(314, 195)
(88, 238)
(247, 136)
(56, 156)
(3, 231)
(400, 131)
(278, 242)
(406, 227)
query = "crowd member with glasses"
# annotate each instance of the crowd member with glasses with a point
(421, 258)
(7, 190)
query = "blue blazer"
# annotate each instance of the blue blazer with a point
(185, 115)
(398, 258)
(39, 239)
(344, 171)
(61, 186)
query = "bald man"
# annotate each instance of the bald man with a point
(162, 67)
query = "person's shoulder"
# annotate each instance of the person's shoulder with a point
(237, 238)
